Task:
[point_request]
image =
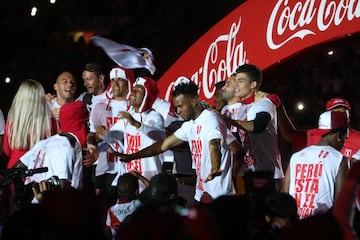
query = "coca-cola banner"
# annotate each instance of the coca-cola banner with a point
(261, 32)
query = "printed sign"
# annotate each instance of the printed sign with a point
(263, 33)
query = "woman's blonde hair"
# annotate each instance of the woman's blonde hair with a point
(29, 117)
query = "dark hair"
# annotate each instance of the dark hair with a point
(95, 67)
(219, 84)
(98, 69)
(189, 89)
(162, 189)
(281, 205)
(253, 72)
(127, 185)
(342, 131)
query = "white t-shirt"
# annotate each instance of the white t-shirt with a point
(108, 163)
(151, 130)
(198, 133)
(264, 146)
(312, 178)
(356, 155)
(163, 107)
(238, 111)
(61, 159)
(94, 100)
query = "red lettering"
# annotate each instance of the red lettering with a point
(299, 185)
(134, 165)
(303, 170)
(298, 198)
(309, 200)
(314, 186)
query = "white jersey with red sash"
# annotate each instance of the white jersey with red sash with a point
(118, 212)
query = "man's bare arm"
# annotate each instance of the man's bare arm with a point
(152, 150)
(215, 158)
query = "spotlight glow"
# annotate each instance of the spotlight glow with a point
(33, 11)
(300, 106)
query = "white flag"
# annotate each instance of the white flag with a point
(126, 56)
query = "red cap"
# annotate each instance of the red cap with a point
(330, 120)
(73, 117)
(337, 102)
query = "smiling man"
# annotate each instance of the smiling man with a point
(65, 87)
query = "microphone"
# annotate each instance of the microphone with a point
(13, 173)
(22, 172)
(30, 172)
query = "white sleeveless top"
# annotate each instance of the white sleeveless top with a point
(312, 178)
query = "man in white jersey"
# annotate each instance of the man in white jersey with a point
(140, 127)
(215, 152)
(105, 115)
(127, 202)
(94, 81)
(262, 151)
(315, 174)
(60, 153)
(234, 109)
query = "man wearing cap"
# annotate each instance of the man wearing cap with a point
(60, 153)
(302, 138)
(352, 143)
(315, 174)
(140, 127)
(105, 115)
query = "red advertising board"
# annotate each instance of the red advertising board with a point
(261, 32)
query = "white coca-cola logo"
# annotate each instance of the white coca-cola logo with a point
(298, 18)
(218, 66)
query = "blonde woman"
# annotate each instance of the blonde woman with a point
(28, 120)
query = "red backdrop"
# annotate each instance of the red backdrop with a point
(261, 32)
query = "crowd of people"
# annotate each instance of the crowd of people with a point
(172, 170)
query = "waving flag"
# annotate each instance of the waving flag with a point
(126, 56)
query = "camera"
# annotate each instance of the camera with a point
(53, 181)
